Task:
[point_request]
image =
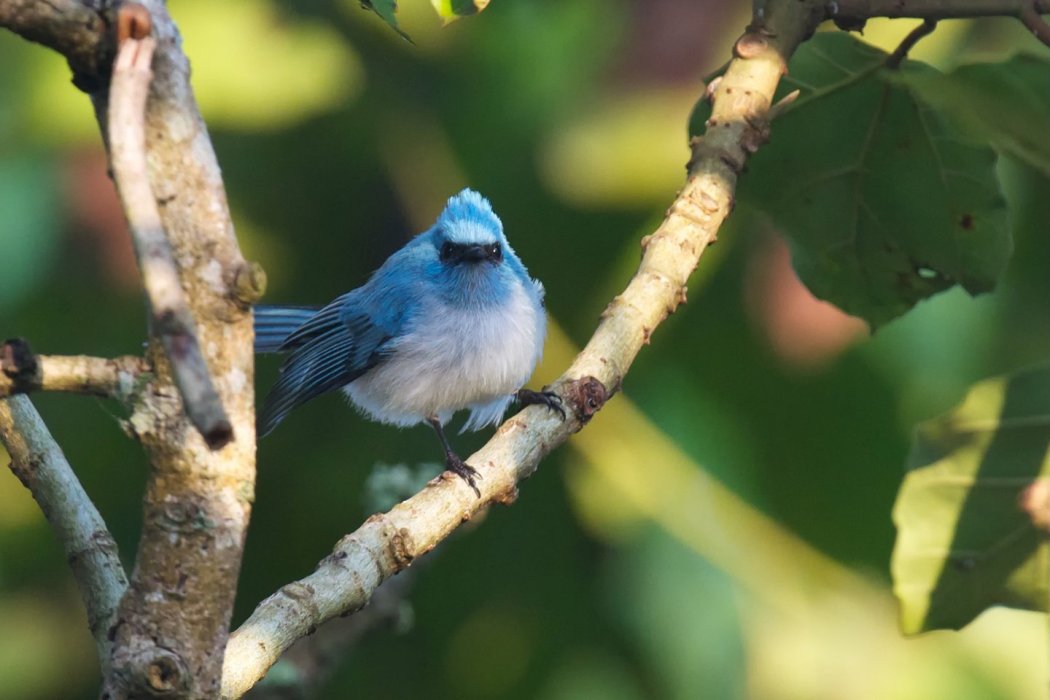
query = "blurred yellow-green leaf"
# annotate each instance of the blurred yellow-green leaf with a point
(645, 167)
(963, 541)
(266, 69)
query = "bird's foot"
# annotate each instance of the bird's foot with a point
(528, 397)
(469, 474)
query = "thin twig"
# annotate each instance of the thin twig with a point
(172, 321)
(909, 42)
(22, 371)
(387, 543)
(1030, 17)
(39, 464)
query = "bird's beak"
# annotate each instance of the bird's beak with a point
(480, 253)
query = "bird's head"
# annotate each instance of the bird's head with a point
(469, 233)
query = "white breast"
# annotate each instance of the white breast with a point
(451, 359)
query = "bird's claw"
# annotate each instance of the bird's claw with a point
(469, 474)
(528, 397)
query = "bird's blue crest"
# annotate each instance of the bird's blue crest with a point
(468, 218)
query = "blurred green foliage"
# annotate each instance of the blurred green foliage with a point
(29, 237)
(721, 530)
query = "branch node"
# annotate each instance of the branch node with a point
(506, 498)
(133, 22)
(249, 283)
(19, 364)
(750, 44)
(401, 549)
(586, 395)
(159, 672)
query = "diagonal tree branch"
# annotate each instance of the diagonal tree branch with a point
(170, 315)
(931, 9)
(39, 464)
(387, 543)
(22, 371)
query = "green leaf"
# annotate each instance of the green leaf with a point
(884, 204)
(963, 541)
(451, 10)
(1006, 103)
(387, 9)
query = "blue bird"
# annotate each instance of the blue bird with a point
(450, 321)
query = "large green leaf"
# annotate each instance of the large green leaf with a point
(1006, 103)
(883, 202)
(964, 543)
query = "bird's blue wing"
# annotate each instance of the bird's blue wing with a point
(273, 325)
(335, 346)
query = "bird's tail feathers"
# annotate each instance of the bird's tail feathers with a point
(273, 324)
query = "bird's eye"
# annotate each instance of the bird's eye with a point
(448, 250)
(494, 252)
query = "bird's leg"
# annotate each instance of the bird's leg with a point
(528, 397)
(453, 462)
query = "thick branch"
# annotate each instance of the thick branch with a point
(39, 464)
(931, 9)
(170, 314)
(21, 372)
(387, 543)
(174, 620)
